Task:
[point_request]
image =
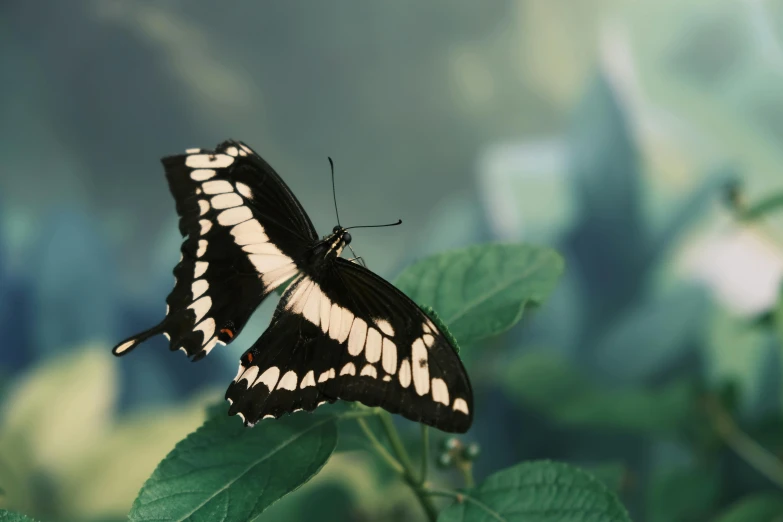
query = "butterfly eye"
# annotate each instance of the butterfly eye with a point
(336, 229)
(346, 238)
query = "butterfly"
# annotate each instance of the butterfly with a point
(339, 331)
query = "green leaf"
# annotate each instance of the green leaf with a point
(767, 205)
(612, 474)
(692, 207)
(653, 335)
(105, 482)
(83, 384)
(683, 495)
(762, 507)
(610, 234)
(225, 471)
(550, 383)
(8, 516)
(432, 314)
(481, 291)
(541, 491)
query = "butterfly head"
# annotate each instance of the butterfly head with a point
(339, 233)
(337, 240)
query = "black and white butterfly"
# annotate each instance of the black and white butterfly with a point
(339, 331)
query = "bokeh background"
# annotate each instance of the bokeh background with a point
(607, 129)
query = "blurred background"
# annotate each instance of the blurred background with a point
(628, 135)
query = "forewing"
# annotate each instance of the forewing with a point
(243, 230)
(348, 334)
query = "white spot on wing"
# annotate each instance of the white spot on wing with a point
(307, 380)
(386, 378)
(246, 148)
(203, 207)
(269, 377)
(211, 344)
(234, 216)
(405, 373)
(207, 327)
(348, 369)
(421, 372)
(460, 405)
(250, 375)
(219, 186)
(428, 339)
(201, 267)
(312, 307)
(369, 371)
(240, 372)
(262, 248)
(228, 200)
(389, 361)
(385, 327)
(298, 299)
(201, 307)
(357, 337)
(335, 317)
(192, 151)
(202, 247)
(232, 151)
(205, 226)
(326, 375)
(208, 161)
(248, 233)
(440, 392)
(124, 346)
(244, 190)
(265, 263)
(202, 174)
(198, 287)
(288, 382)
(373, 345)
(326, 312)
(345, 325)
(280, 275)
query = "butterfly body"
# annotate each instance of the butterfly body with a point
(339, 331)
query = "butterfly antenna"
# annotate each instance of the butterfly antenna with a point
(334, 192)
(398, 222)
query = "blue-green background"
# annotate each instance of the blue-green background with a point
(607, 129)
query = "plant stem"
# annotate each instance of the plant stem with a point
(408, 474)
(379, 448)
(396, 443)
(748, 449)
(425, 452)
(357, 414)
(464, 497)
(466, 468)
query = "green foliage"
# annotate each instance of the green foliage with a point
(71, 458)
(652, 335)
(432, 314)
(555, 387)
(209, 475)
(481, 291)
(542, 491)
(764, 207)
(7, 516)
(683, 495)
(764, 507)
(612, 474)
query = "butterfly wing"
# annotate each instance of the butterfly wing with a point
(243, 229)
(348, 334)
